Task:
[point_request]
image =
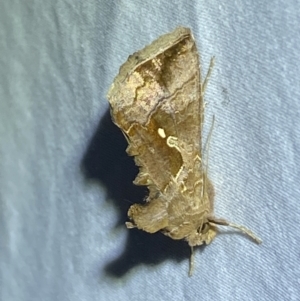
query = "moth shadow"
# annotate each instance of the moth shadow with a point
(107, 161)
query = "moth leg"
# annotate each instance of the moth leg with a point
(211, 65)
(130, 225)
(243, 229)
(191, 270)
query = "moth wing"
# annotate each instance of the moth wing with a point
(156, 101)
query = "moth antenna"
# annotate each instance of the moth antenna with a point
(246, 231)
(241, 228)
(203, 88)
(208, 74)
(207, 144)
(191, 270)
(207, 147)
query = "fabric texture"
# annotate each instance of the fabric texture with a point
(66, 180)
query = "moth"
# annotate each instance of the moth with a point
(157, 102)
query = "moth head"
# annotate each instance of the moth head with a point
(205, 234)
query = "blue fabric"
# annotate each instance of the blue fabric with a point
(65, 179)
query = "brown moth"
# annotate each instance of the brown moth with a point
(157, 102)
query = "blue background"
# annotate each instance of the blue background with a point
(65, 179)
